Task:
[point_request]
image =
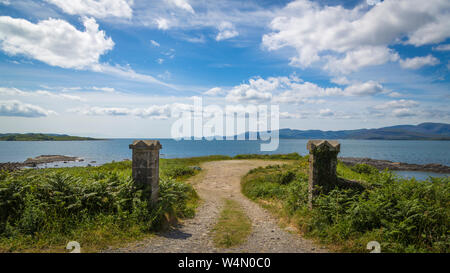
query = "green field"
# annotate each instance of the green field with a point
(403, 215)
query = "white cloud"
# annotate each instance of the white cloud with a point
(326, 113)
(418, 62)
(298, 93)
(395, 95)
(104, 89)
(182, 4)
(364, 89)
(361, 35)
(210, 14)
(292, 90)
(14, 92)
(96, 8)
(340, 81)
(160, 60)
(128, 73)
(226, 31)
(397, 104)
(154, 43)
(159, 112)
(287, 115)
(215, 91)
(162, 23)
(403, 112)
(5, 2)
(362, 57)
(258, 89)
(247, 93)
(15, 108)
(444, 47)
(54, 41)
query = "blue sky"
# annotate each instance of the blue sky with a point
(116, 68)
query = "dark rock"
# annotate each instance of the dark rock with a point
(42, 159)
(395, 166)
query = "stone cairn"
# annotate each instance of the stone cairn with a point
(145, 166)
(322, 166)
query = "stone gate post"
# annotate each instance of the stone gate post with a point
(322, 166)
(145, 166)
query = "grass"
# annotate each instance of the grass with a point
(404, 215)
(41, 210)
(233, 226)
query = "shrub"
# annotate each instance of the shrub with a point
(364, 169)
(404, 215)
(51, 204)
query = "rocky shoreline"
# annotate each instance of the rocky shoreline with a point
(34, 162)
(395, 166)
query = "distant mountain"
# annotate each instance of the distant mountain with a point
(37, 137)
(423, 131)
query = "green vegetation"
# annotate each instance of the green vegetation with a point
(233, 226)
(403, 215)
(36, 137)
(42, 210)
(291, 156)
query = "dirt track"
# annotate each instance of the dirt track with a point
(219, 180)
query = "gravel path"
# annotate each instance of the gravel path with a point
(221, 179)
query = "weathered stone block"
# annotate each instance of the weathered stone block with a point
(322, 166)
(145, 166)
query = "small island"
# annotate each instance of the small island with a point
(42, 137)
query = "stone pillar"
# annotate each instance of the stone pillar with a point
(145, 166)
(322, 166)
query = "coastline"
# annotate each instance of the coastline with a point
(380, 164)
(395, 166)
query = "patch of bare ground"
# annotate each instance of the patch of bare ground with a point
(220, 180)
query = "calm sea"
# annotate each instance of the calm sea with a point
(102, 151)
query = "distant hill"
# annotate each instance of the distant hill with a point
(40, 137)
(423, 131)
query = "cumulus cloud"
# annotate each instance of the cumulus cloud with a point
(226, 31)
(54, 41)
(258, 89)
(364, 89)
(15, 108)
(356, 37)
(293, 90)
(96, 8)
(418, 62)
(340, 81)
(215, 91)
(361, 57)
